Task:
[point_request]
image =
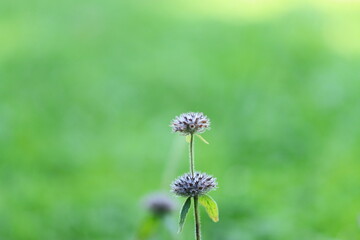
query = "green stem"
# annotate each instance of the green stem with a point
(191, 152)
(196, 200)
(197, 219)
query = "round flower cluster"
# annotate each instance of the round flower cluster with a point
(190, 186)
(190, 123)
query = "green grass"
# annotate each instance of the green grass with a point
(88, 89)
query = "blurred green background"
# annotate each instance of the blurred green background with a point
(88, 89)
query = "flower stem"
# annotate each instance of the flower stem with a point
(197, 219)
(196, 200)
(191, 152)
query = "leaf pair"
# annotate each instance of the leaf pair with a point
(203, 139)
(210, 207)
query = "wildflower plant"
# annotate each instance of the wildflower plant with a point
(194, 185)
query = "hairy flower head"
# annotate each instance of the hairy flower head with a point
(190, 123)
(188, 186)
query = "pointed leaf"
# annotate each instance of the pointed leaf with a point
(188, 138)
(210, 207)
(203, 139)
(183, 213)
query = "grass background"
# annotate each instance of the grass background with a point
(88, 89)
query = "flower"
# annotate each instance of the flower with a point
(190, 186)
(190, 123)
(159, 204)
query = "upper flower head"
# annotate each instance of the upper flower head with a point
(190, 123)
(188, 186)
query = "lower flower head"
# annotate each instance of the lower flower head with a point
(190, 186)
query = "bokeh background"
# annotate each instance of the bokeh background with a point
(88, 89)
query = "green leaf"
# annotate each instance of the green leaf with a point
(203, 139)
(184, 212)
(188, 138)
(210, 207)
